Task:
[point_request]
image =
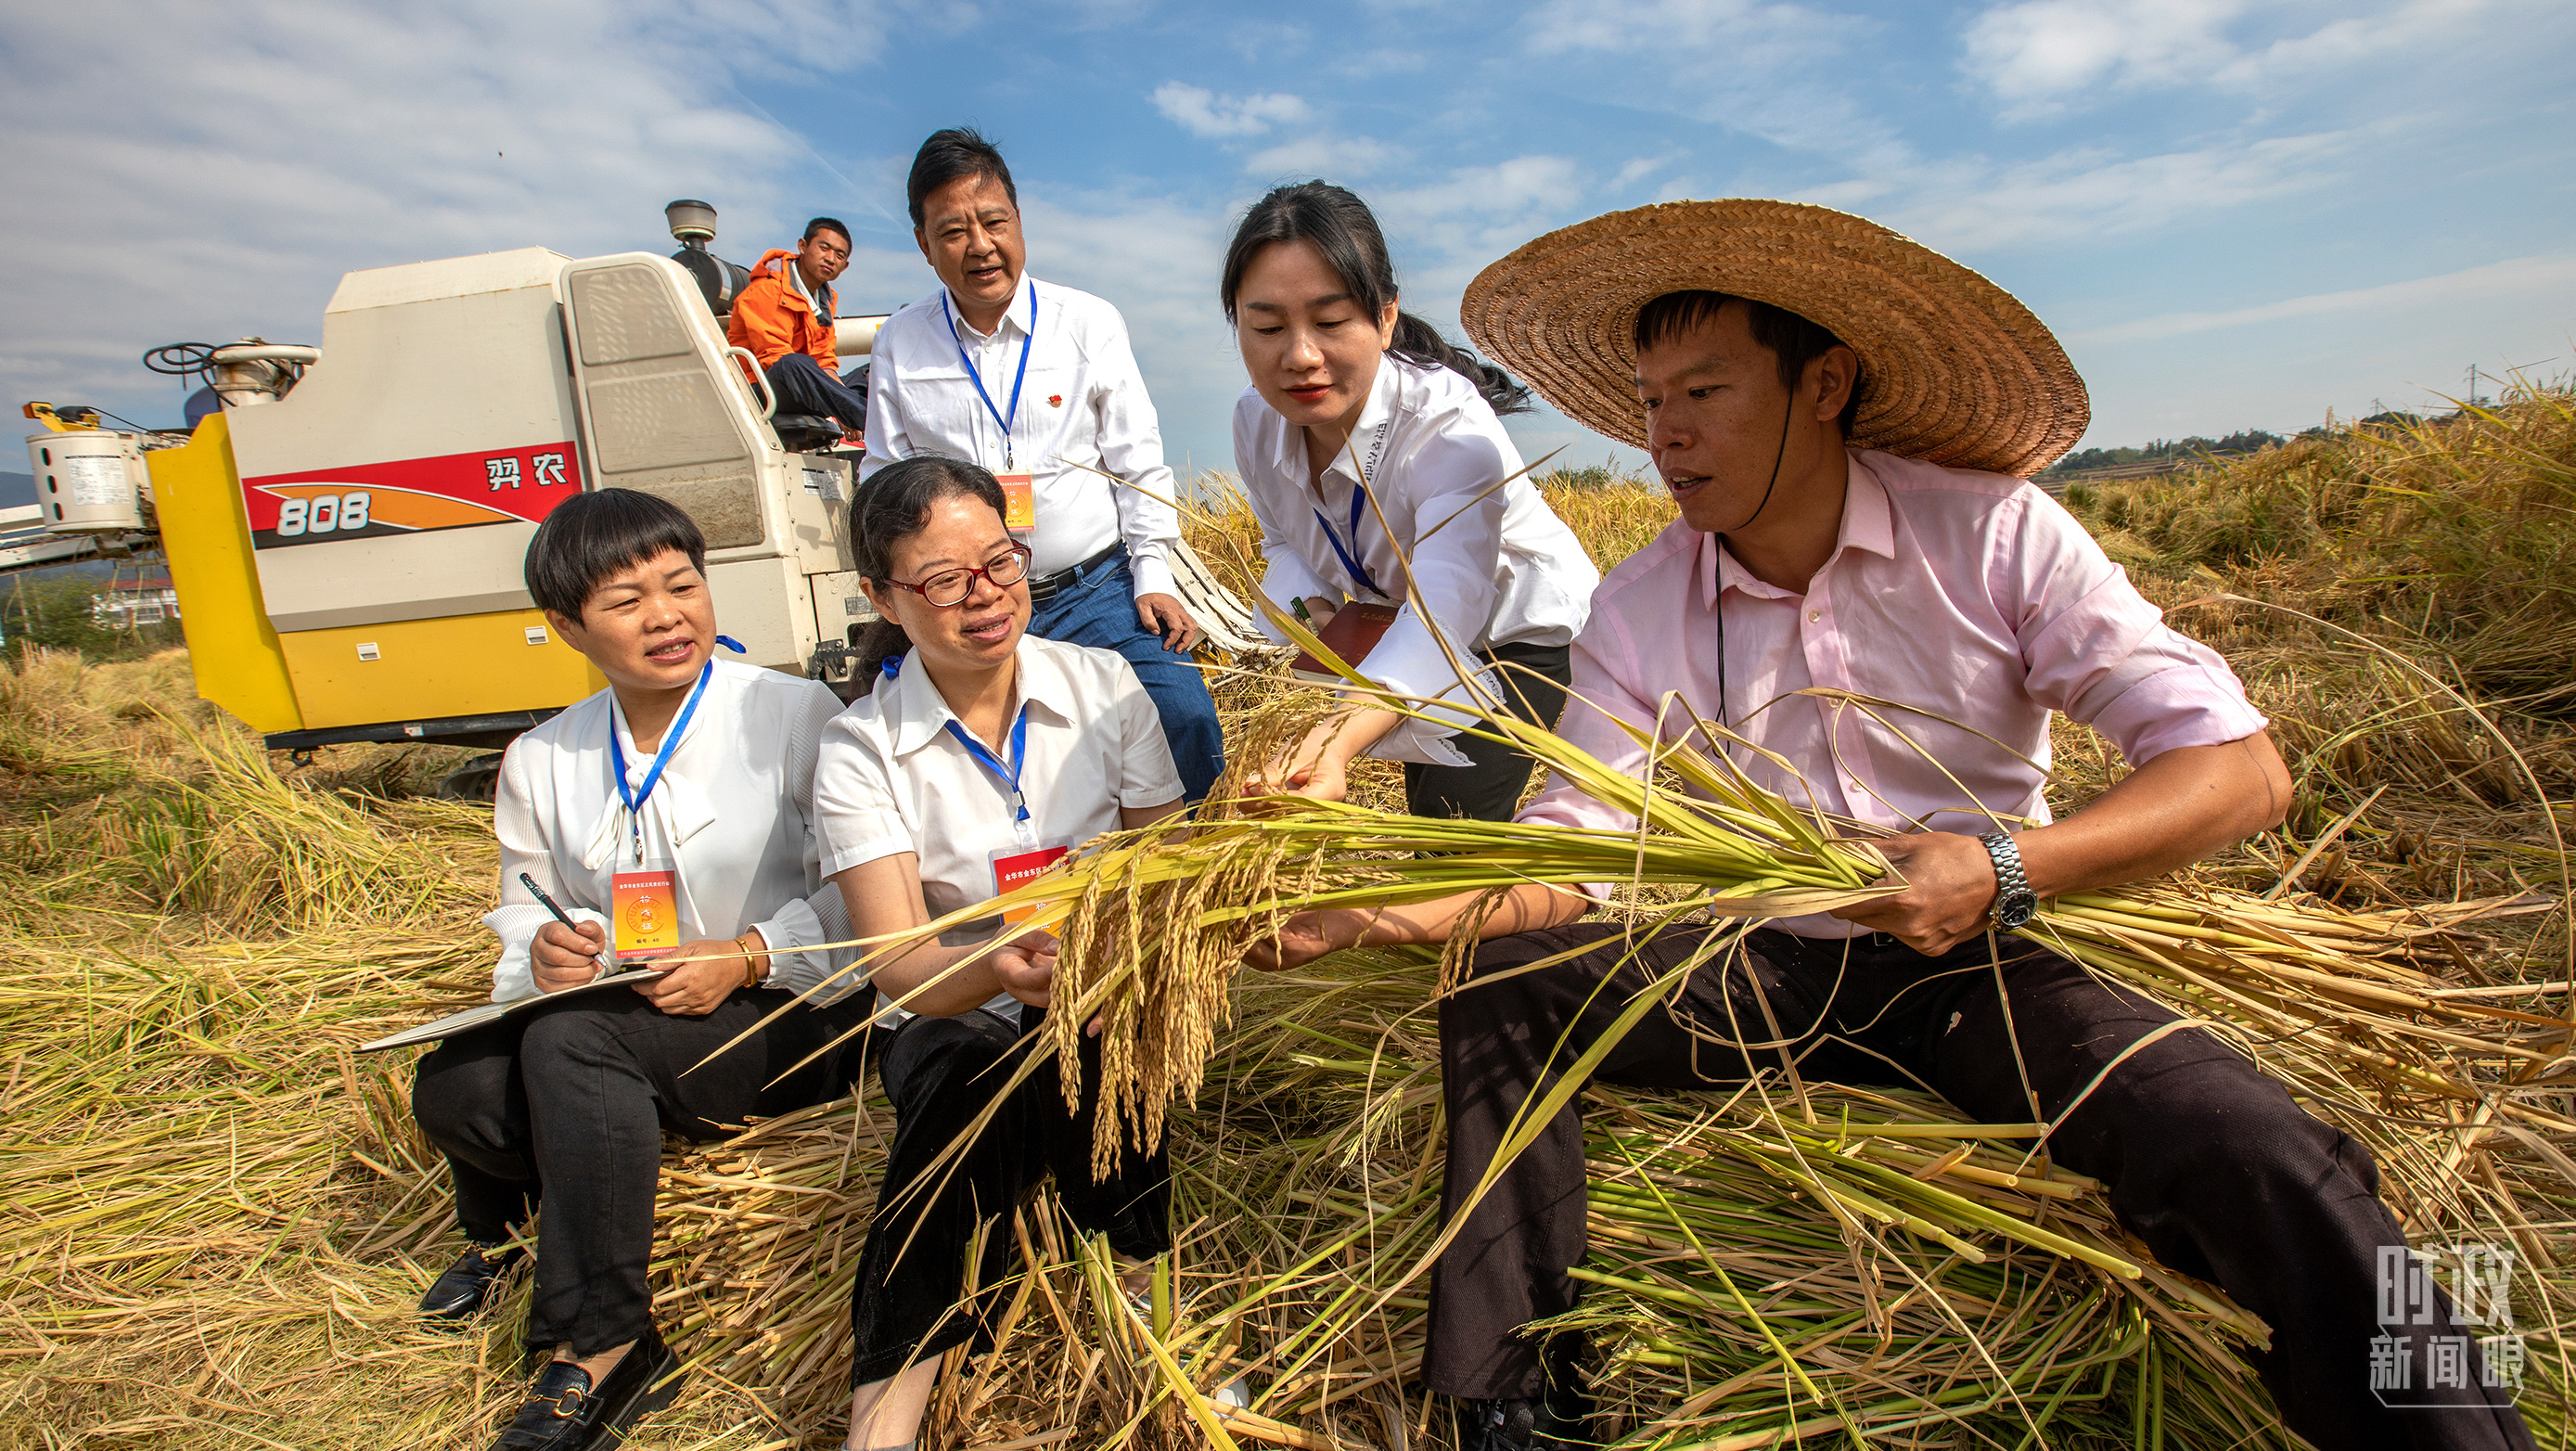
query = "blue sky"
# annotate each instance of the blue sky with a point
(2234, 214)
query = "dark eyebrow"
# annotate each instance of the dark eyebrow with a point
(1700, 365)
(933, 566)
(1325, 301)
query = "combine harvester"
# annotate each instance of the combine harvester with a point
(345, 531)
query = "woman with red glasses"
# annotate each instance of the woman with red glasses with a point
(981, 754)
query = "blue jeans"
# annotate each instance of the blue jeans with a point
(1099, 608)
(803, 387)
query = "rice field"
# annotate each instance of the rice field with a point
(220, 1216)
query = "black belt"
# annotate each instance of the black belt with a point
(1044, 587)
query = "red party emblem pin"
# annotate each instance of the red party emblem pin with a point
(1055, 400)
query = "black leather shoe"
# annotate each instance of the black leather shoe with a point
(458, 1295)
(565, 1412)
(1547, 1425)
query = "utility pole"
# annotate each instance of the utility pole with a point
(2474, 399)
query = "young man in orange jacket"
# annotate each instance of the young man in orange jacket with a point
(784, 316)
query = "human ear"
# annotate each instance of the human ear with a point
(1837, 374)
(921, 239)
(1386, 325)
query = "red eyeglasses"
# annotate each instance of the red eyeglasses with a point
(952, 586)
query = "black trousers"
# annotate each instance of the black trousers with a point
(802, 386)
(908, 1303)
(1490, 789)
(2208, 1161)
(575, 1099)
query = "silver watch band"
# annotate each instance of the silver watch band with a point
(2010, 880)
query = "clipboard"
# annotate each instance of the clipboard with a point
(485, 1014)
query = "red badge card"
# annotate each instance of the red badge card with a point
(1012, 869)
(648, 914)
(1019, 500)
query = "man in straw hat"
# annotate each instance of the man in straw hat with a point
(1847, 420)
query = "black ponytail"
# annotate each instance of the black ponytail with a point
(892, 506)
(1341, 228)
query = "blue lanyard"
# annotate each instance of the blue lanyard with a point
(671, 734)
(1026, 339)
(1350, 556)
(984, 757)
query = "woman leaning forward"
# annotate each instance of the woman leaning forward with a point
(1376, 462)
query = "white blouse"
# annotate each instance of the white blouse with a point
(734, 813)
(1499, 570)
(894, 778)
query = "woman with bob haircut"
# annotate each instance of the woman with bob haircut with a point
(678, 801)
(981, 754)
(1372, 451)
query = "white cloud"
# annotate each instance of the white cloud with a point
(2281, 365)
(2530, 277)
(1781, 71)
(1329, 157)
(1639, 168)
(1203, 112)
(1753, 30)
(2038, 49)
(258, 150)
(1966, 207)
(1157, 259)
(2039, 56)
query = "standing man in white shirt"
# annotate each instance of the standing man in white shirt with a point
(1036, 382)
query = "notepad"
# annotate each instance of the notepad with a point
(485, 1013)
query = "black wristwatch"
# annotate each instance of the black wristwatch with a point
(2015, 902)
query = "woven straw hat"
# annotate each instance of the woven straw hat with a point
(1954, 370)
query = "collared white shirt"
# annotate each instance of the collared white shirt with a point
(1083, 402)
(894, 778)
(733, 811)
(1972, 598)
(1500, 569)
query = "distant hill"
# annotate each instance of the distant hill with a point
(2166, 451)
(17, 490)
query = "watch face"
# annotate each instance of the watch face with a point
(2016, 910)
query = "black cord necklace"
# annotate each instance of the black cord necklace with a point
(1779, 455)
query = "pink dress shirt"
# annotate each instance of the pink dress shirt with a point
(1969, 596)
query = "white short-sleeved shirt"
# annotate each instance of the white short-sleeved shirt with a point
(733, 811)
(1494, 566)
(894, 778)
(1082, 402)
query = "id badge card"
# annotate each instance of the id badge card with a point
(647, 914)
(1016, 866)
(1019, 502)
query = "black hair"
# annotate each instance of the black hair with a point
(826, 224)
(591, 536)
(891, 507)
(1794, 341)
(1341, 228)
(950, 154)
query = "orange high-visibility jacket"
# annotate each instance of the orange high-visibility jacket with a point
(773, 319)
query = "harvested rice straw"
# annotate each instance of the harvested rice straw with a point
(1727, 1298)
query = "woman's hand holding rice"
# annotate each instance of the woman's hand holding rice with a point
(1025, 967)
